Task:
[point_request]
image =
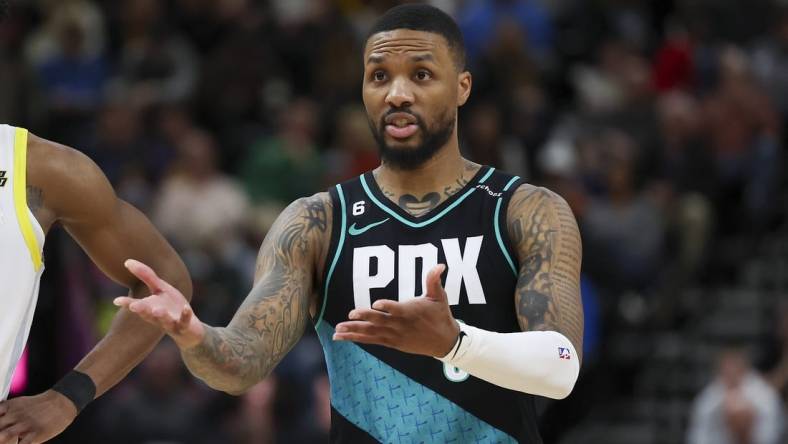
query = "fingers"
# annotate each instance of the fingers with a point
(155, 314)
(3, 407)
(27, 439)
(388, 306)
(434, 288)
(183, 321)
(11, 434)
(364, 327)
(147, 275)
(363, 331)
(367, 314)
(362, 339)
(123, 301)
(7, 421)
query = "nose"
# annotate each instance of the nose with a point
(399, 94)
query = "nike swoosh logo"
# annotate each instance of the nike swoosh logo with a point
(353, 231)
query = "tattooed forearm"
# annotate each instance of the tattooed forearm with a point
(548, 244)
(272, 318)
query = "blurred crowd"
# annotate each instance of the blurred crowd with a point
(661, 122)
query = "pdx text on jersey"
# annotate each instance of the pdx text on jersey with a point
(461, 268)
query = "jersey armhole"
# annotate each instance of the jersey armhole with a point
(338, 228)
(501, 230)
(23, 214)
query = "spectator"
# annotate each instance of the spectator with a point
(156, 65)
(624, 229)
(479, 20)
(354, 151)
(775, 354)
(286, 166)
(738, 407)
(198, 205)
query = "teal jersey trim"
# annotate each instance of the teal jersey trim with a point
(395, 215)
(511, 182)
(336, 255)
(390, 406)
(500, 239)
(504, 250)
(487, 175)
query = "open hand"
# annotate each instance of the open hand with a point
(165, 307)
(35, 419)
(423, 325)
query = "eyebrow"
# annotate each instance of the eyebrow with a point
(423, 58)
(378, 59)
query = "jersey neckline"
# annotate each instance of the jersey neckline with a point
(374, 192)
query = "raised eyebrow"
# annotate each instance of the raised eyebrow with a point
(375, 59)
(423, 58)
(378, 59)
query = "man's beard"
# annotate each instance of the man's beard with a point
(412, 158)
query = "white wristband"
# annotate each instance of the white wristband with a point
(538, 362)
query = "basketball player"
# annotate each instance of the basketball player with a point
(43, 184)
(445, 293)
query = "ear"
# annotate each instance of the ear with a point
(464, 82)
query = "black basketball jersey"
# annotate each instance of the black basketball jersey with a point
(379, 251)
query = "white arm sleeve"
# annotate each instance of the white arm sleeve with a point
(538, 362)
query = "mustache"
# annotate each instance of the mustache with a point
(405, 110)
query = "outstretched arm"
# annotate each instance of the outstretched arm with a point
(271, 319)
(72, 189)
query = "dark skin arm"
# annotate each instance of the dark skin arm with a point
(545, 234)
(66, 187)
(272, 317)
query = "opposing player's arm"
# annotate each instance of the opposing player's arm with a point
(272, 318)
(109, 230)
(545, 234)
(68, 187)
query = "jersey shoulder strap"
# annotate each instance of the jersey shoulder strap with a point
(504, 185)
(338, 232)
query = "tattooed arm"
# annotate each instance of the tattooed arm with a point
(271, 319)
(545, 234)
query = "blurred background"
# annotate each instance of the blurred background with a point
(661, 122)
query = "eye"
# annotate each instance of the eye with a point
(378, 76)
(423, 74)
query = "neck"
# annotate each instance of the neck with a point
(441, 170)
(419, 190)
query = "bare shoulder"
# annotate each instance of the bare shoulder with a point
(317, 212)
(526, 195)
(62, 182)
(301, 232)
(50, 161)
(534, 208)
(313, 212)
